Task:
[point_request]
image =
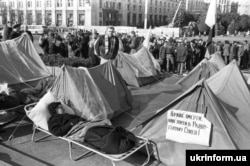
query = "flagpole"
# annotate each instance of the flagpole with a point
(146, 15)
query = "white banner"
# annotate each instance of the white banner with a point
(188, 127)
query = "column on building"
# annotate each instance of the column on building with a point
(88, 16)
(25, 12)
(34, 11)
(75, 13)
(43, 12)
(8, 11)
(53, 13)
(64, 14)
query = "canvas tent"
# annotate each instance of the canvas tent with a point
(96, 93)
(204, 69)
(137, 69)
(227, 132)
(230, 87)
(20, 61)
(217, 60)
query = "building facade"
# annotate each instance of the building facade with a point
(196, 6)
(89, 12)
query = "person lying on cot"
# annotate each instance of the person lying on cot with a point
(60, 122)
(14, 99)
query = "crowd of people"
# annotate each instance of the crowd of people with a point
(177, 55)
(174, 55)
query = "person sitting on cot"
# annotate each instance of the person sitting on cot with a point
(60, 122)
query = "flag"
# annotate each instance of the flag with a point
(210, 21)
(147, 39)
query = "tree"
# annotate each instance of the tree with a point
(232, 27)
(202, 27)
(243, 23)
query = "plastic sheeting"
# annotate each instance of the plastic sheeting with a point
(204, 69)
(227, 131)
(93, 94)
(230, 86)
(132, 67)
(20, 62)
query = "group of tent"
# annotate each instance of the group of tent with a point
(101, 92)
(224, 94)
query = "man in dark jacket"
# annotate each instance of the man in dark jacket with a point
(28, 32)
(167, 53)
(181, 56)
(7, 31)
(16, 31)
(134, 43)
(60, 123)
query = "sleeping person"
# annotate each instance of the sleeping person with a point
(60, 122)
(14, 99)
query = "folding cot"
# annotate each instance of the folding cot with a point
(143, 142)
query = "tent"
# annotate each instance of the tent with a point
(20, 61)
(230, 87)
(137, 69)
(226, 133)
(217, 60)
(96, 93)
(204, 69)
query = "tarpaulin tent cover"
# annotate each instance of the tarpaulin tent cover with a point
(230, 86)
(93, 94)
(217, 60)
(227, 132)
(20, 61)
(137, 69)
(204, 69)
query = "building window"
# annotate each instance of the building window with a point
(59, 19)
(140, 8)
(48, 19)
(160, 10)
(29, 18)
(39, 18)
(128, 7)
(29, 4)
(100, 2)
(20, 4)
(134, 7)
(70, 20)
(134, 1)
(128, 19)
(134, 19)
(100, 22)
(140, 1)
(100, 14)
(38, 3)
(160, 3)
(48, 3)
(81, 19)
(155, 2)
(150, 10)
(70, 3)
(107, 4)
(119, 5)
(12, 5)
(81, 3)
(155, 10)
(58, 3)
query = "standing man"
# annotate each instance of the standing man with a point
(108, 46)
(25, 28)
(226, 51)
(233, 52)
(134, 43)
(181, 56)
(7, 31)
(16, 31)
(167, 52)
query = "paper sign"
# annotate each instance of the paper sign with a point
(188, 127)
(4, 88)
